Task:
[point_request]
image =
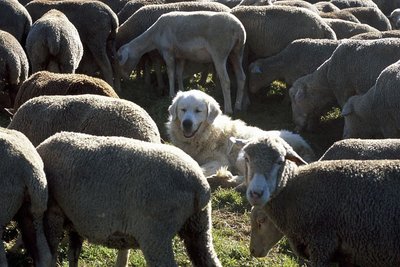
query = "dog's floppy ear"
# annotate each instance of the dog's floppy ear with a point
(213, 110)
(172, 108)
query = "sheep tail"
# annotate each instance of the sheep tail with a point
(38, 192)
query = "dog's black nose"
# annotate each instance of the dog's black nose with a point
(187, 124)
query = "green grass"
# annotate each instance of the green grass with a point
(230, 216)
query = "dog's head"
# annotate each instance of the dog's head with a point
(192, 109)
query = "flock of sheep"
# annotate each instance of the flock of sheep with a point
(72, 139)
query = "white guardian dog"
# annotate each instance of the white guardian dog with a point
(197, 126)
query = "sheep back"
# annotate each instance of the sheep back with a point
(44, 116)
(49, 83)
(15, 19)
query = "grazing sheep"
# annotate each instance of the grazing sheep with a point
(43, 116)
(97, 25)
(53, 44)
(297, 3)
(343, 4)
(15, 19)
(145, 17)
(346, 29)
(341, 14)
(264, 26)
(377, 35)
(363, 149)
(23, 193)
(352, 69)
(14, 66)
(375, 113)
(372, 16)
(149, 193)
(203, 36)
(327, 209)
(49, 83)
(300, 57)
(197, 126)
(394, 18)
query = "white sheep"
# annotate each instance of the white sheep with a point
(202, 36)
(352, 69)
(149, 193)
(23, 193)
(376, 113)
(330, 211)
(43, 116)
(53, 44)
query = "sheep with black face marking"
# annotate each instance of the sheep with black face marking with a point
(375, 114)
(53, 44)
(180, 36)
(315, 206)
(14, 67)
(43, 116)
(291, 63)
(149, 193)
(363, 149)
(49, 83)
(352, 69)
(23, 193)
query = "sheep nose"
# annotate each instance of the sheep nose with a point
(255, 194)
(187, 124)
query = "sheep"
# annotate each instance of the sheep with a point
(342, 14)
(97, 38)
(14, 66)
(53, 44)
(191, 35)
(264, 26)
(372, 16)
(387, 6)
(363, 149)
(375, 113)
(150, 193)
(299, 58)
(346, 29)
(377, 35)
(297, 3)
(15, 19)
(352, 69)
(394, 18)
(49, 83)
(146, 16)
(315, 206)
(24, 193)
(326, 7)
(343, 4)
(43, 116)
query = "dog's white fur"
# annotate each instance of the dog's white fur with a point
(197, 126)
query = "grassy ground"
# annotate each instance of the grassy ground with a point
(231, 226)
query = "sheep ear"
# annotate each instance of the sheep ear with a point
(293, 156)
(213, 111)
(347, 109)
(236, 142)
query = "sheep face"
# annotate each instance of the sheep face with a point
(302, 106)
(127, 60)
(264, 234)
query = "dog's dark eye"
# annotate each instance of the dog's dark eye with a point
(197, 111)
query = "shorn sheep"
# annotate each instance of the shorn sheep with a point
(149, 194)
(363, 149)
(315, 206)
(49, 83)
(53, 44)
(376, 113)
(202, 36)
(43, 116)
(352, 69)
(14, 67)
(23, 193)
(97, 26)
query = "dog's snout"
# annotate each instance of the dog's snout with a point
(187, 124)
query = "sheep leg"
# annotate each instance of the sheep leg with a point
(240, 79)
(100, 56)
(75, 248)
(157, 63)
(170, 61)
(54, 229)
(122, 258)
(220, 67)
(196, 234)
(179, 73)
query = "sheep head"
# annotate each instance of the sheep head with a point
(265, 159)
(127, 60)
